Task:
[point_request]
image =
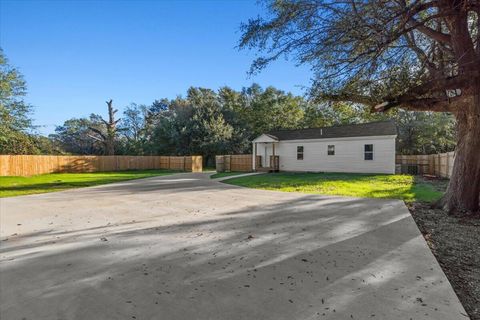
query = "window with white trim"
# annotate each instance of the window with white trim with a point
(368, 152)
(299, 152)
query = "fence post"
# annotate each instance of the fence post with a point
(432, 168)
(439, 156)
(220, 163)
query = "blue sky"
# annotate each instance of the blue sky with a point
(76, 55)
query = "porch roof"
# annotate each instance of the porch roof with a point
(266, 138)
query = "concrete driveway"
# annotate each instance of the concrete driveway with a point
(186, 247)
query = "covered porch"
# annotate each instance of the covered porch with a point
(264, 154)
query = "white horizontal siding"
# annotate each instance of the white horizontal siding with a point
(349, 155)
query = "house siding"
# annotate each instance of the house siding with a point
(349, 155)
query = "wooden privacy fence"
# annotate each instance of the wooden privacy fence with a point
(439, 165)
(237, 162)
(28, 165)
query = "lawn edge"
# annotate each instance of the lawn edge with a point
(94, 186)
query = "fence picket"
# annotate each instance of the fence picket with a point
(236, 162)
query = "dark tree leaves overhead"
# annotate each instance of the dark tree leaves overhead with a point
(418, 55)
(394, 52)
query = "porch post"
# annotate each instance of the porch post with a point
(254, 155)
(272, 159)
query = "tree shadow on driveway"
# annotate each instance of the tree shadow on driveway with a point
(273, 257)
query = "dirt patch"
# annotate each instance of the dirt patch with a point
(455, 242)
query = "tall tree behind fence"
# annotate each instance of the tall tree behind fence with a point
(27, 165)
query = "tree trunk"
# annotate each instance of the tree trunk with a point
(463, 193)
(111, 129)
(110, 146)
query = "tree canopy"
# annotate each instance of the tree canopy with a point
(420, 55)
(75, 136)
(16, 128)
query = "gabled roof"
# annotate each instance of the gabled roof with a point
(380, 128)
(266, 138)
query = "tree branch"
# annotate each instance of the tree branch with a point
(356, 98)
(435, 35)
(98, 132)
(426, 104)
(95, 138)
(422, 56)
(440, 85)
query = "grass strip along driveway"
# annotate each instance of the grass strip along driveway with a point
(227, 174)
(16, 186)
(404, 187)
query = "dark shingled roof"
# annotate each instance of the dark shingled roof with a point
(381, 128)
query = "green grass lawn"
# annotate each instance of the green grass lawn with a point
(225, 174)
(16, 186)
(403, 187)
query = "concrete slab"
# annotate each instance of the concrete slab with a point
(188, 247)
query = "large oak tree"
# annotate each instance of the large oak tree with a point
(417, 55)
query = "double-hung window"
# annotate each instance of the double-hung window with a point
(368, 152)
(331, 150)
(299, 152)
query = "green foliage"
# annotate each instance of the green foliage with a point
(270, 109)
(45, 145)
(331, 114)
(343, 184)
(75, 136)
(14, 112)
(424, 132)
(208, 131)
(15, 121)
(208, 122)
(133, 130)
(16, 142)
(16, 186)
(195, 125)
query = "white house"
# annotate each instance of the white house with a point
(363, 148)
